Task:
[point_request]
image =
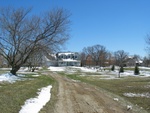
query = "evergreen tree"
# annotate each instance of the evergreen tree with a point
(112, 68)
(121, 69)
(136, 70)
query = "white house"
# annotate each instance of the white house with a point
(63, 59)
(68, 59)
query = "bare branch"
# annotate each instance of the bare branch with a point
(120, 57)
(24, 34)
(98, 53)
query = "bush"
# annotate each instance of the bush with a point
(112, 68)
(136, 70)
(121, 69)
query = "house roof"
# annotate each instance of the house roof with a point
(66, 53)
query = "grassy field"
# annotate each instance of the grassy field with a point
(13, 96)
(136, 85)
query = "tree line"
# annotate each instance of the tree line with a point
(98, 55)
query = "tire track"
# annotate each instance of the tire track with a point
(78, 97)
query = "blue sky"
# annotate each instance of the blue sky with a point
(115, 24)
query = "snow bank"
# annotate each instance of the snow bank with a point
(57, 68)
(110, 74)
(145, 73)
(35, 75)
(34, 105)
(116, 99)
(9, 78)
(23, 69)
(147, 95)
(86, 69)
(83, 69)
(144, 67)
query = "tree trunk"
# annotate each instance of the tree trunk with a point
(119, 74)
(14, 70)
(33, 69)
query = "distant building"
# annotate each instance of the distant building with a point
(63, 59)
(50, 60)
(132, 61)
(68, 59)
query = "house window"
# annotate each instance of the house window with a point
(65, 57)
(76, 57)
(72, 57)
(61, 62)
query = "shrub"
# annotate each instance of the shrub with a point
(121, 69)
(112, 68)
(136, 70)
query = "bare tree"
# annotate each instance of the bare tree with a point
(23, 34)
(102, 53)
(147, 40)
(135, 56)
(146, 61)
(110, 59)
(98, 53)
(83, 58)
(34, 61)
(120, 59)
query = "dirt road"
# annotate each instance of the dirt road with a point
(77, 97)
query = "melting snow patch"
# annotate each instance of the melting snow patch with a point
(23, 69)
(129, 107)
(75, 80)
(88, 69)
(35, 75)
(116, 99)
(57, 68)
(34, 105)
(9, 78)
(147, 95)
